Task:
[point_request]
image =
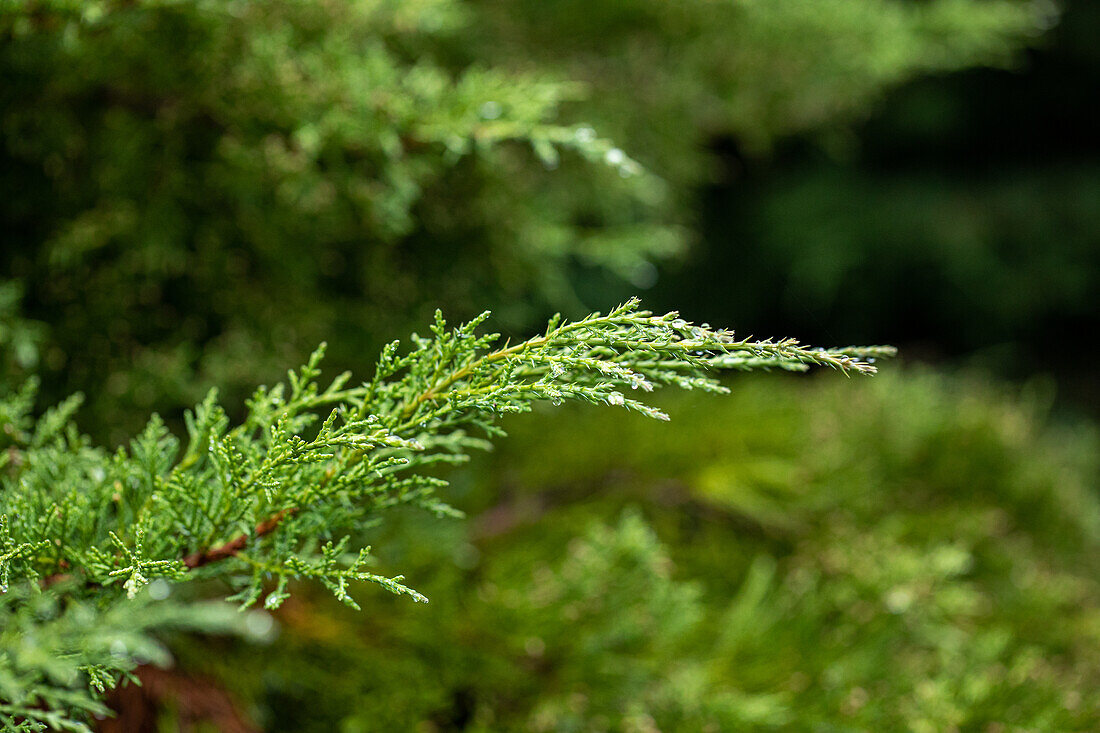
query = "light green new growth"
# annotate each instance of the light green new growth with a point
(285, 494)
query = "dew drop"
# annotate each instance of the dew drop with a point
(159, 589)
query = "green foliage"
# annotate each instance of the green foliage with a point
(194, 192)
(20, 339)
(288, 493)
(916, 553)
(754, 71)
(59, 652)
(212, 169)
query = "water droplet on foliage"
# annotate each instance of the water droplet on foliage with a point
(159, 589)
(585, 134)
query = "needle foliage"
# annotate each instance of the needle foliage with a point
(286, 493)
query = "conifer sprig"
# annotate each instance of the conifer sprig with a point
(284, 494)
(287, 493)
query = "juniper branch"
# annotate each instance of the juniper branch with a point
(288, 493)
(282, 495)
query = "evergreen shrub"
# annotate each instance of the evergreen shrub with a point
(198, 192)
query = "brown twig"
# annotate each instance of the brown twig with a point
(200, 557)
(229, 549)
(232, 547)
(204, 557)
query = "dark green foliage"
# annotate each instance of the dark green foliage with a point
(195, 192)
(912, 554)
(20, 339)
(254, 176)
(756, 71)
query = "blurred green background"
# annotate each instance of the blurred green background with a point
(196, 192)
